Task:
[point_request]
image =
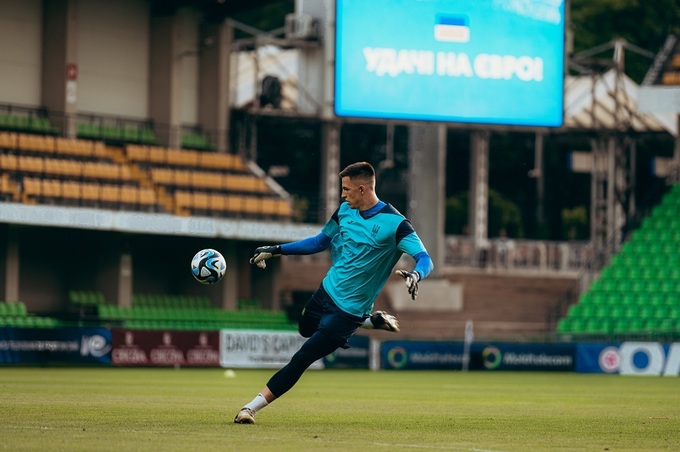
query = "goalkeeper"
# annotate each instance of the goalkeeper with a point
(366, 237)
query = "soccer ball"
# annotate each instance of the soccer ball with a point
(208, 266)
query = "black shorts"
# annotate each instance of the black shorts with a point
(323, 315)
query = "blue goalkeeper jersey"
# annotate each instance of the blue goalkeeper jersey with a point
(365, 247)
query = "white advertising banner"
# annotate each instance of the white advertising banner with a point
(260, 349)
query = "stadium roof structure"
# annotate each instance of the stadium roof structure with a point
(250, 67)
(609, 101)
(596, 102)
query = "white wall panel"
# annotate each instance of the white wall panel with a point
(113, 42)
(20, 51)
(189, 66)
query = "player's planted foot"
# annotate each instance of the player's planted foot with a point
(245, 416)
(384, 321)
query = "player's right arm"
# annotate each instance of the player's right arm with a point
(310, 245)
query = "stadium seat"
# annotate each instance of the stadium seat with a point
(641, 286)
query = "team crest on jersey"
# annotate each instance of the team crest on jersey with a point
(375, 229)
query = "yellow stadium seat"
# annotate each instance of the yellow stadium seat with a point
(9, 162)
(7, 186)
(182, 158)
(284, 208)
(182, 199)
(137, 153)
(31, 187)
(201, 201)
(8, 140)
(70, 190)
(90, 192)
(269, 206)
(235, 203)
(252, 204)
(675, 61)
(183, 178)
(81, 148)
(110, 194)
(147, 197)
(218, 202)
(157, 155)
(32, 165)
(129, 195)
(99, 150)
(61, 167)
(51, 188)
(206, 179)
(162, 176)
(670, 78)
(71, 168)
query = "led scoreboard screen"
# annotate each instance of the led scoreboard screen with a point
(471, 61)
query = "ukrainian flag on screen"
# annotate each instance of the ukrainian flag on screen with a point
(450, 28)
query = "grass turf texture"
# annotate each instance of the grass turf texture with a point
(192, 409)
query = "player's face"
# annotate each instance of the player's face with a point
(352, 192)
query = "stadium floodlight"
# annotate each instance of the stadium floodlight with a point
(472, 61)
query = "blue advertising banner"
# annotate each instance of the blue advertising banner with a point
(38, 345)
(354, 357)
(504, 356)
(422, 355)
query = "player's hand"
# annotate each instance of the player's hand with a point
(263, 253)
(411, 279)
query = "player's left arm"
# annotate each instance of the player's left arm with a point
(408, 242)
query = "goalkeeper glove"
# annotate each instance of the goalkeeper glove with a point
(411, 279)
(263, 253)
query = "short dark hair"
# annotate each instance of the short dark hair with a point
(363, 170)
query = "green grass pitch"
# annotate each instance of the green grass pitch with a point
(87, 409)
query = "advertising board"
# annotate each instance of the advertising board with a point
(165, 348)
(422, 355)
(252, 349)
(47, 345)
(471, 61)
(539, 357)
(629, 358)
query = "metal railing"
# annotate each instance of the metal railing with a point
(513, 254)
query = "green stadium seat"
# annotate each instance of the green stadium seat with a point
(617, 312)
(595, 326)
(624, 285)
(577, 325)
(637, 325)
(601, 298)
(630, 312)
(112, 133)
(621, 326)
(148, 136)
(88, 130)
(609, 286)
(647, 312)
(22, 322)
(627, 299)
(16, 309)
(638, 286)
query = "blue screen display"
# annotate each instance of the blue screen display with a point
(471, 61)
